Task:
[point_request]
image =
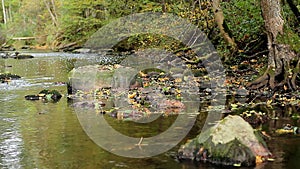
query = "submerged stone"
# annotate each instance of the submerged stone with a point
(23, 56)
(232, 141)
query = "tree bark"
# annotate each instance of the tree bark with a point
(9, 13)
(163, 6)
(54, 9)
(4, 12)
(54, 19)
(280, 56)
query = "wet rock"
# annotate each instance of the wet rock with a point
(45, 95)
(6, 77)
(242, 92)
(33, 97)
(26, 47)
(7, 48)
(255, 118)
(4, 55)
(122, 78)
(232, 141)
(12, 54)
(23, 56)
(89, 104)
(15, 55)
(90, 78)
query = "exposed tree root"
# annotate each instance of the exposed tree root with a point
(283, 75)
(268, 80)
(219, 17)
(260, 82)
(294, 77)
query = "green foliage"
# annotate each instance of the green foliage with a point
(144, 41)
(244, 19)
(291, 38)
(291, 34)
(77, 20)
(2, 36)
(203, 18)
(245, 24)
(80, 19)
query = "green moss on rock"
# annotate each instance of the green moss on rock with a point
(232, 141)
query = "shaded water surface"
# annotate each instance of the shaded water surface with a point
(49, 135)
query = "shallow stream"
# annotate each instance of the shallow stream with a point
(35, 134)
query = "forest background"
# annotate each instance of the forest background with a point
(241, 31)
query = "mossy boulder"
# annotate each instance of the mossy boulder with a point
(90, 78)
(232, 141)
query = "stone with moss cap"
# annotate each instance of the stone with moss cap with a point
(232, 141)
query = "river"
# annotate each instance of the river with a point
(35, 134)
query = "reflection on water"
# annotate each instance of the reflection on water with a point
(15, 85)
(11, 144)
(49, 135)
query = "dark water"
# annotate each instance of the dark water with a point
(49, 135)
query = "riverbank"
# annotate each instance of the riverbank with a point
(36, 119)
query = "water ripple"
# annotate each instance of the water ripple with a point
(10, 149)
(14, 85)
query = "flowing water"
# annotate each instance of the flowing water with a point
(35, 134)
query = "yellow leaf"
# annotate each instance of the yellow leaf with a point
(146, 84)
(178, 80)
(142, 74)
(283, 131)
(237, 165)
(131, 96)
(259, 159)
(234, 105)
(269, 102)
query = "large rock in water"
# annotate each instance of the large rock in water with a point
(232, 141)
(91, 77)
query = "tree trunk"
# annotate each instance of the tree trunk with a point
(4, 12)
(54, 10)
(52, 14)
(10, 13)
(163, 6)
(280, 56)
(219, 17)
